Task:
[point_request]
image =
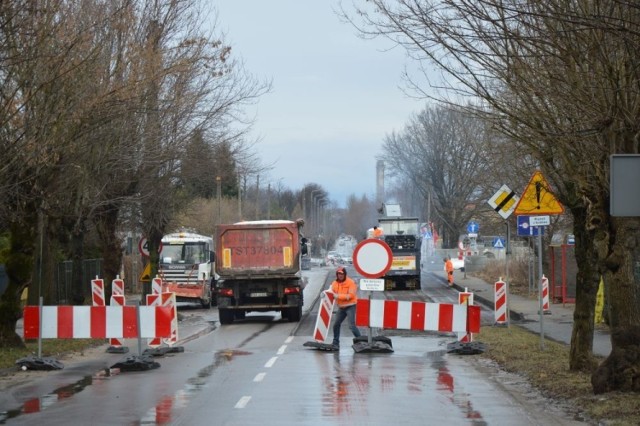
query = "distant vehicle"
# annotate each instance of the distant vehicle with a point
(332, 257)
(347, 259)
(402, 235)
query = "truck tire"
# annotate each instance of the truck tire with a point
(294, 314)
(226, 316)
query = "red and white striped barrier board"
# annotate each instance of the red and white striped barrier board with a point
(500, 302)
(96, 322)
(393, 314)
(117, 300)
(97, 292)
(117, 287)
(154, 300)
(465, 298)
(156, 285)
(169, 300)
(545, 295)
(327, 300)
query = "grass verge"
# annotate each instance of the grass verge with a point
(55, 348)
(518, 351)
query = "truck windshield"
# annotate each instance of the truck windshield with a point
(400, 227)
(184, 253)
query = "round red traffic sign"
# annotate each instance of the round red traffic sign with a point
(143, 247)
(372, 258)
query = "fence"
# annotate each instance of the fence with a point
(64, 279)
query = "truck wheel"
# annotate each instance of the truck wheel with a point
(294, 314)
(226, 316)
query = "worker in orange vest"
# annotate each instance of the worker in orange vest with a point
(377, 232)
(448, 267)
(345, 291)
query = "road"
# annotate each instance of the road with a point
(257, 372)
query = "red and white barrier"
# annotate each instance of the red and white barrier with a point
(156, 285)
(97, 292)
(97, 322)
(545, 295)
(154, 300)
(117, 300)
(500, 302)
(327, 300)
(169, 301)
(465, 298)
(117, 287)
(393, 314)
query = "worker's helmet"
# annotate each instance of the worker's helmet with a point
(343, 270)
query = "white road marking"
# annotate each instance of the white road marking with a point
(259, 377)
(270, 363)
(243, 402)
(282, 349)
(289, 339)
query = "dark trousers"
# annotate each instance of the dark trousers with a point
(350, 313)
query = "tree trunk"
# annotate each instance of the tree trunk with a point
(77, 258)
(587, 280)
(621, 370)
(19, 264)
(106, 224)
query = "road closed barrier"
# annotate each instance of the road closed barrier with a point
(97, 322)
(405, 315)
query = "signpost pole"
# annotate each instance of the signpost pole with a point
(540, 291)
(507, 255)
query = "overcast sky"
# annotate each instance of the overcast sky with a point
(334, 98)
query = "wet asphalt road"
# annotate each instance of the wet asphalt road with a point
(257, 372)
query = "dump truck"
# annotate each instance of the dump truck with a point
(402, 235)
(258, 268)
(186, 266)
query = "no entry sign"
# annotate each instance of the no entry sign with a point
(372, 258)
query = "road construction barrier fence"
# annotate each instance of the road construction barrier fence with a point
(500, 302)
(405, 315)
(323, 321)
(96, 322)
(545, 295)
(465, 298)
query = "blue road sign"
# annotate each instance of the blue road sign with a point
(526, 230)
(473, 227)
(498, 243)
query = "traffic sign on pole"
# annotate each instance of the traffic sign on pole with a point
(372, 258)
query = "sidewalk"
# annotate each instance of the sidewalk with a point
(524, 312)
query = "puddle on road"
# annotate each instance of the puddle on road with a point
(35, 405)
(162, 413)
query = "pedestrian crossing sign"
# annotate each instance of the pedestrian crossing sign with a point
(498, 243)
(538, 199)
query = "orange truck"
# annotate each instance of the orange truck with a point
(186, 266)
(258, 269)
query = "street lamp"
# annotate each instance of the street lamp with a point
(312, 213)
(218, 193)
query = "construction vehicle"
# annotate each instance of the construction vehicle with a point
(258, 266)
(402, 235)
(186, 266)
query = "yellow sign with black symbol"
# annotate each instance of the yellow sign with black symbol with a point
(146, 274)
(538, 199)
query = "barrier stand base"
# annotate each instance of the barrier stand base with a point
(37, 363)
(117, 349)
(163, 350)
(136, 363)
(328, 347)
(375, 346)
(383, 339)
(466, 348)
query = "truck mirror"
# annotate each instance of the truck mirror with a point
(212, 256)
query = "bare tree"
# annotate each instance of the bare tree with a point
(559, 80)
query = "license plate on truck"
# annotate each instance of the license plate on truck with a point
(258, 294)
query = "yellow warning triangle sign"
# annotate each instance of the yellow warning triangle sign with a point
(538, 199)
(146, 274)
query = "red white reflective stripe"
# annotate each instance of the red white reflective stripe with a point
(97, 292)
(327, 300)
(117, 300)
(545, 294)
(117, 287)
(96, 322)
(500, 304)
(403, 315)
